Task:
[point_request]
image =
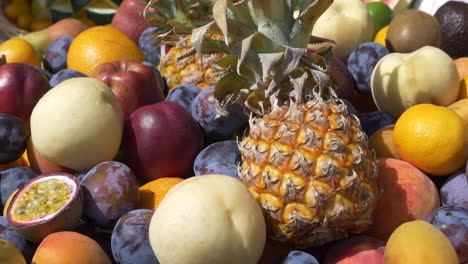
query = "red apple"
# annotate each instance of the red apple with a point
(21, 87)
(161, 140)
(130, 20)
(134, 84)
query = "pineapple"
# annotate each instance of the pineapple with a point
(175, 21)
(305, 158)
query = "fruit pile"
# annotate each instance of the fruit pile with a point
(308, 131)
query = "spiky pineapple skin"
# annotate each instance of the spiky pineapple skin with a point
(309, 167)
(187, 70)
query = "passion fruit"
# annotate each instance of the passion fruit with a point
(46, 204)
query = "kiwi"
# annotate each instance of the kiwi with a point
(453, 20)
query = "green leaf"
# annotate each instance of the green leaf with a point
(228, 88)
(77, 5)
(227, 62)
(302, 29)
(219, 15)
(241, 12)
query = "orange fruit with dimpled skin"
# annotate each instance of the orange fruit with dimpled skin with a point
(19, 50)
(152, 193)
(462, 67)
(100, 44)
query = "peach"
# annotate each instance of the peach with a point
(462, 67)
(408, 194)
(71, 248)
(418, 242)
(355, 250)
(382, 143)
(463, 89)
(40, 164)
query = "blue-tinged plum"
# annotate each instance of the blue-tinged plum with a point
(11, 179)
(8, 233)
(373, 121)
(110, 190)
(219, 168)
(130, 238)
(455, 190)
(63, 75)
(149, 47)
(453, 222)
(204, 112)
(300, 257)
(14, 135)
(55, 56)
(184, 95)
(225, 151)
(361, 63)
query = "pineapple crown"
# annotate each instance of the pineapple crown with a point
(175, 18)
(266, 45)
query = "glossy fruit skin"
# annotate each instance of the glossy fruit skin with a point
(19, 50)
(7, 232)
(381, 14)
(300, 257)
(204, 112)
(161, 140)
(373, 121)
(184, 95)
(225, 151)
(148, 46)
(455, 190)
(361, 63)
(100, 235)
(453, 222)
(45, 72)
(55, 56)
(130, 238)
(63, 75)
(111, 190)
(21, 87)
(133, 83)
(14, 135)
(222, 168)
(11, 179)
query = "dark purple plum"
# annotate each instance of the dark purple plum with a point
(14, 135)
(361, 63)
(149, 47)
(11, 179)
(204, 112)
(55, 56)
(225, 151)
(8, 233)
(63, 75)
(44, 72)
(455, 190)
(373, 121)
(453, 222)
(184, 95)
(110, 190)
(223, 168)
(130, 238)
(300, 257)
(100, 235)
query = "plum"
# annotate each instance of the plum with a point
(110, 190)
(453, 222)
(14, 135)
(148, 46)
(100, 235)
(373, 121)
(351, 108)
(7, 232)
(300, 257)
(455, 190)
(184, 95)
(361, 63)
(204, 112)
(225, 151)
(63, 75)
(130, 238)
(11, 179)
(219, 168)
(55, 56)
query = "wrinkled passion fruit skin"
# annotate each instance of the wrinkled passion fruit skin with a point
(66, 218)
(111, 190)
(8, 233)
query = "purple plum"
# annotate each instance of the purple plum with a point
(55, 56)
(184, 95)
(455, 190)
(14, 135)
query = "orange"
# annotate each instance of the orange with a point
(19, 50)
(382, 143)
(463, 89)
(381, 35)
(100, 44)
(23, 161)
(152, 193)
(432, 138)
(24, 21)
(15, 8)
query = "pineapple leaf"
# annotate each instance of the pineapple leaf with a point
(228, 89)
(198, 36)
(240, 11)
(226, 62)
(298, 87)
(305, 22)
(268, 60)
(219, 15)
(245, 47)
